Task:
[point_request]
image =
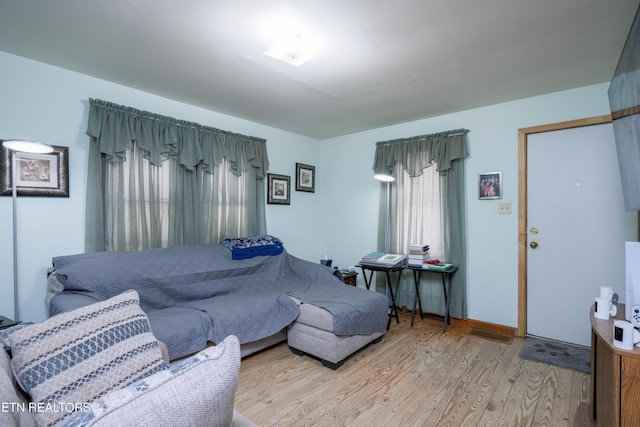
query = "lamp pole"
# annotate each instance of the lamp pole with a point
(386, 179)
(387, 235)
(14, 195)
(15, 145)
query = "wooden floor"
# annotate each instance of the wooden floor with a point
(416, 376)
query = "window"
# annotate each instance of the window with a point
(426, 205)
(154, 181)
(416, 217)
(137, 203)
(419, 211)
(226, 198)
(146, 205)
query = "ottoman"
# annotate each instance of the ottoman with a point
(312, 334)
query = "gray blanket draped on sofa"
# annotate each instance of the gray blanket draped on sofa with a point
(195, 293)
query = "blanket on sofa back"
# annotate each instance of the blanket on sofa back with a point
(246, 298)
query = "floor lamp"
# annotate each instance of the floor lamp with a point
(14, 146)
(387, 180)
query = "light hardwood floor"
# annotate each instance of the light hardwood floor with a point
(416, 376)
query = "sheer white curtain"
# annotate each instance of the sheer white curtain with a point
(225, 201)
(417, 219)
(137, 203)
(146, 204)
(420, 219)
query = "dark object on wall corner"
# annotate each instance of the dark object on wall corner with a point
(624, 100)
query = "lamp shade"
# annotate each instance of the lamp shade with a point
(27, 146)
(384, 177)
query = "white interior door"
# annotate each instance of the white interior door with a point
(576, 217)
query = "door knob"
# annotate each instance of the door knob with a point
(533, 245)
(533, 230)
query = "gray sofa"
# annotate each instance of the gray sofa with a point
(196, 295)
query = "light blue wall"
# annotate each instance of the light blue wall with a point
(340, 219)
(50, 104)
(350, 215)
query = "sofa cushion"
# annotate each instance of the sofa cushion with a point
(78, 356)
(198, 391)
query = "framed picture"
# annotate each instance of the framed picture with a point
(279, 191)
(37, 174)
(305, 178)
(490, 185)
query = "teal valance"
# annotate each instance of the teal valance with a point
(113, 128)
(420, 152)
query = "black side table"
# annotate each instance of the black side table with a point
(386, 270)
(5, 322)
(417, 271)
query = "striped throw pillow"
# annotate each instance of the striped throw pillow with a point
(74, 358)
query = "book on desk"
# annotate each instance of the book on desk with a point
(382, 259)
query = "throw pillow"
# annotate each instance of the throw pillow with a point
(74, 358)
(197, 391)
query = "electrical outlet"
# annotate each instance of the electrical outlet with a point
(504, 208)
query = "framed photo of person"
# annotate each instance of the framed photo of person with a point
(490, 185)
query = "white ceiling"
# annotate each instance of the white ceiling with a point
(383, 62)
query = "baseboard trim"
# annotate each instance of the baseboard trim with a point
(486, 326)
(472, 323)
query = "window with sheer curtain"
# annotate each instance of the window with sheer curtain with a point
(154, 181)
(420, 218)
(417, 217)
(144, 201)
(137, 203)
(425, 205)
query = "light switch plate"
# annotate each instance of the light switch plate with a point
(504, 208)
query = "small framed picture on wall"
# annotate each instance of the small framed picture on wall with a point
(490, 185)
(279, 189)
(305, 178)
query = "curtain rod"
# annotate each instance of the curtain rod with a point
(454, 132)
(167, 119)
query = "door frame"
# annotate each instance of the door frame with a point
(523, 135)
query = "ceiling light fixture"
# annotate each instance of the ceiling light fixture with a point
(292, 49)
